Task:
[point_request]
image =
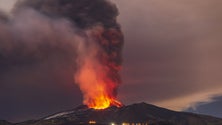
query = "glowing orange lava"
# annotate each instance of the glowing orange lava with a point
(97, 87)
(98, 67)
(104, 102)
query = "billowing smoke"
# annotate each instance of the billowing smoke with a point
(86, 30)
(99, 63)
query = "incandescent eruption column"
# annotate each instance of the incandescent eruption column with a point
(99, 63)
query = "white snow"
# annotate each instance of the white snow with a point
(58, 115)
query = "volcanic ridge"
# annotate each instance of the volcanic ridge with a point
(135, 114)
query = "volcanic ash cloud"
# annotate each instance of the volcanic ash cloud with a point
(86, 29)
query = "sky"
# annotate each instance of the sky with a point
(172, 58)
(172, 52)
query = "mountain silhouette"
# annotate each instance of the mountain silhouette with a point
(135, 114)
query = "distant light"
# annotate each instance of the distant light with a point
(113, 124)
(92, 122)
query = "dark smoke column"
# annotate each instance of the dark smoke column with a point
(99, 56)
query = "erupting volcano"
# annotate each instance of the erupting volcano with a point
(99, 64)
(98, 49)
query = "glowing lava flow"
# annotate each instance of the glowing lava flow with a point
(104, 102)
(97, 87)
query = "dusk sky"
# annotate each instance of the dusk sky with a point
(171, 58)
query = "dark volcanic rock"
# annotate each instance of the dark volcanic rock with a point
(136, 113)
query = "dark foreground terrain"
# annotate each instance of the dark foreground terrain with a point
(136, 114)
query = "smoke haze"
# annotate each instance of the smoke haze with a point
(63, 34)
(172, 58)
(172, 54)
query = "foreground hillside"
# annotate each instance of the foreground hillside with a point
(137, 114)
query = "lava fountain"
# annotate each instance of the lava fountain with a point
(99, 64)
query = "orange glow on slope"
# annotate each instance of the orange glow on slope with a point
(104, 102)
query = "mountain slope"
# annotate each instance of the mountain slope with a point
(136, 113)
(3, 122)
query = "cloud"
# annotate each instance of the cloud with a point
(40, 48)
(190, 101)
(211, 108)
(172, 51)
(37, 55)
(6, 5)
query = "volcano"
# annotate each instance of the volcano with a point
(135, 114)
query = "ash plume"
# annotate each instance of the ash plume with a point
(84, 30)
(84, 13)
